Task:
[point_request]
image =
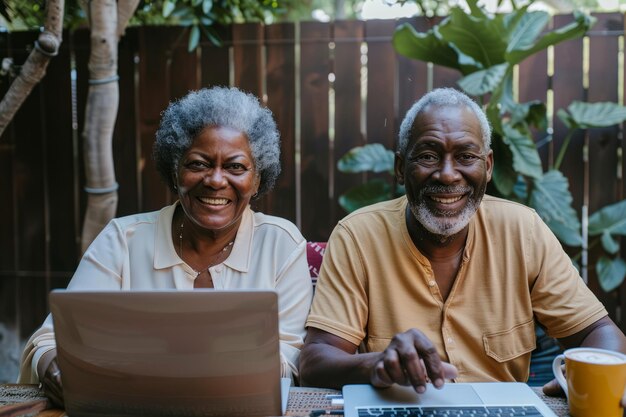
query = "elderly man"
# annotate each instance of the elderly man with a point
(444, 282)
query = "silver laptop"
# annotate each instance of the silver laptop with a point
(484, 398)
(168, 353)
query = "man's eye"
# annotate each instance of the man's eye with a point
(427, 158)
(467, 158)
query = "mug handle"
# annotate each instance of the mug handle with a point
(558, 372)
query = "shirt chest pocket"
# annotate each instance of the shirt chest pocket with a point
(509, 344)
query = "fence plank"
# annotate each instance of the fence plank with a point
(412, 78)
(281, 99)
(248, 56)
(8, 231)
(314, 69)
(156, 45)
(126, 136)
(567, 85)
(29, 170)
(603, 143)
(8, 280)
(381, 89)
(215, 61)
(348, 36)
(533, 84)
(62, 214)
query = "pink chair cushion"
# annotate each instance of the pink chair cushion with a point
(314, 254)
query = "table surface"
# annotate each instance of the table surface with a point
(27, 400)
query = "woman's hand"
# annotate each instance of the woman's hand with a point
(50, 378)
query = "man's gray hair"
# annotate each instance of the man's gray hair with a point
(442, 97)
(184, 119)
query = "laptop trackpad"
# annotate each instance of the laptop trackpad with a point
(450, 394)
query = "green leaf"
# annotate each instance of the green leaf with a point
(611, 273)
(551, 198)
(526, 159)
(504, 176)
(374, 191)
(480, 38)
(211, 35)
(425, 47)
(609, 244)
(587, 115)
(573, 30)
(195, 3)
(371, 157)
(194, 38)
(484, 81)
(207, 5)
(168, 7)
(609, 219)
(532, 113)
(527, 29)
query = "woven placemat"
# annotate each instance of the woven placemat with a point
(303, 400)
(557, 405)
(14, 393)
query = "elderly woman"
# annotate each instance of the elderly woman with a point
(217, 149)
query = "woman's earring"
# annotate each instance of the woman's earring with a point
(255, 195)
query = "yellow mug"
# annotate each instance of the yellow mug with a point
(594, 381)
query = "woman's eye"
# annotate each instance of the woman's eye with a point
(237, 167)
(195, 165)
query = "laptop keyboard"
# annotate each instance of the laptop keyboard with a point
(448, 411)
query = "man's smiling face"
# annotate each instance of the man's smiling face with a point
(445, 168)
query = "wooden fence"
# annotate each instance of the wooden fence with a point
(331, 86)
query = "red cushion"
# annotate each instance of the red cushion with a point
(314, 254)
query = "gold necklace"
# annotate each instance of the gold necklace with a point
(180, 248)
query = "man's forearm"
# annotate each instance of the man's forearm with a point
(322, 365)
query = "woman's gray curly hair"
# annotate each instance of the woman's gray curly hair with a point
(442, 97)
(184, 119)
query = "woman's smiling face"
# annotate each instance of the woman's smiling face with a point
(216, 178)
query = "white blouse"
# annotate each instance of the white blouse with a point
(137, 253)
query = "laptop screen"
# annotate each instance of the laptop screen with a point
(158, 353)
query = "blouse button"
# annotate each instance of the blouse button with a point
(431, 283)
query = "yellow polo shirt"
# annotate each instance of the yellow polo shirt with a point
(374, 283)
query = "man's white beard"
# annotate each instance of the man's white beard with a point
(445, 224)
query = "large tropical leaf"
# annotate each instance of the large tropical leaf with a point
(504, 176)
(609, 219)
(426, 47)
(371, 157)
(532, 113)
(575, 29)
(551, 198)
(527, 30)
(374, 191)
(587, 115)
(526, 159)
(483, 81)
(609, 244)
(480, 38)
(611, 272)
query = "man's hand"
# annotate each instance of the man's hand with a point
(553, 389)
(411, 359)
(50, 378)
